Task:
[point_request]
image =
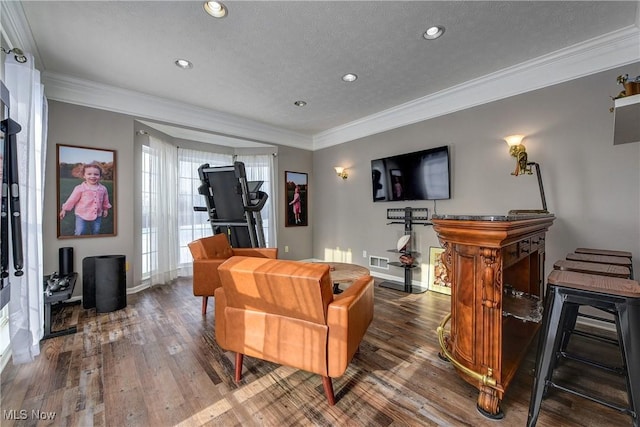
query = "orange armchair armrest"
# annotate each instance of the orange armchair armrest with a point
(205, 276)
(348, 318)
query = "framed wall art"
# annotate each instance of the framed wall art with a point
(297, 194)
(438, 278)
(86, 192)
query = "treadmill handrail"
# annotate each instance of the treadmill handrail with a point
(261, 201)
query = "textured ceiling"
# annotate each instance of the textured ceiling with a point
(265, 55)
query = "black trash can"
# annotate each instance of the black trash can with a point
(104, 283)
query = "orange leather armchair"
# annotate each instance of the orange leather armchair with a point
(285, 312)
(208, 253)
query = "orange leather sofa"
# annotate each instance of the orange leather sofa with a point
(285, 312)
(208, 253)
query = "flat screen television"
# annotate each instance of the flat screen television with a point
(421, 175)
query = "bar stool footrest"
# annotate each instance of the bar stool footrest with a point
(608, 404)
(613, 369)
(594, 317)
(597, 337)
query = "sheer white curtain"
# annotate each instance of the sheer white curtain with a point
(163, 212)
(29, 109)
(260, 167)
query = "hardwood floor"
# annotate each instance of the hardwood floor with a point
(156, 363)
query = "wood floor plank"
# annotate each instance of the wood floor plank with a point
(157, 363)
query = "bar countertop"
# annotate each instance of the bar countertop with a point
(508, 217)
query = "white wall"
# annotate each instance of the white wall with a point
(591, 186)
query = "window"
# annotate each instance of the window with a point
(147, 234)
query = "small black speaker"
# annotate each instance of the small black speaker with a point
(65, 261)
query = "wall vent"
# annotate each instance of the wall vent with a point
(379, 262)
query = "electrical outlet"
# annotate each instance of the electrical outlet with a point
(364, 254)
(286, 248)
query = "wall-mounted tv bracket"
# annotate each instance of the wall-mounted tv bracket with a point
(409, 216)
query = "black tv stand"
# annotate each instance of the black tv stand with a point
(408, 217)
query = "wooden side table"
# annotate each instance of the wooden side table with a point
(342, 272)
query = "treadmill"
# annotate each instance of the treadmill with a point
(233, 204)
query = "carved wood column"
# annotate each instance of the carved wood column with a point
(489, 398)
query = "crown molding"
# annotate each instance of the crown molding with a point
(612, 50)
(72, 90)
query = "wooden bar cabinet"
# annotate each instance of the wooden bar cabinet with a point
(496, 268)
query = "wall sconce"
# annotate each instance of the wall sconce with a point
(519, 151)
(18, 54)
(342, 172)
(523, 166)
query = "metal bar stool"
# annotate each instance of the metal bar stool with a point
(602, 259)
(603, 262)
(622, 297)
(607, 252)
(573, 311)
(593, 268)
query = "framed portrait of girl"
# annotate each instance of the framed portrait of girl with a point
(86, 192)
(297, 194)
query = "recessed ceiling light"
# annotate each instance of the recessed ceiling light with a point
(183, 63)
(433, 33)
(215, 9)
(300, 103)
(349, 77)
